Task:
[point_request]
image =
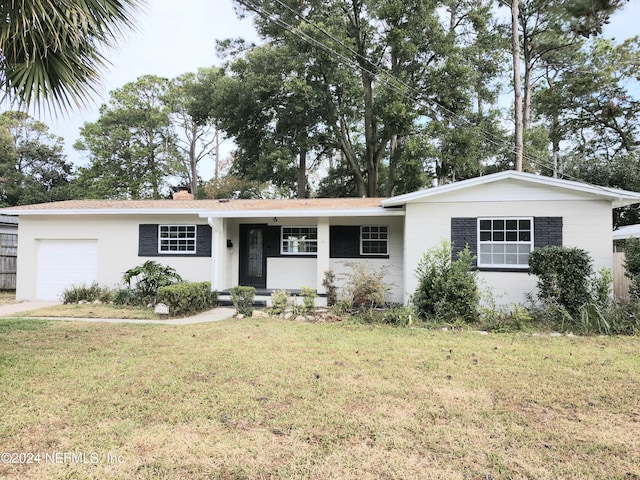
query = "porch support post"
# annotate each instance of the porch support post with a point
(323, 252)
(217, 267)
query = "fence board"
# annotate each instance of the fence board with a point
(8, 265)
(621, 282)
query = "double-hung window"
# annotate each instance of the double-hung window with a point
(299, 240)
(505, 242)
(374, 240)
(177, 239)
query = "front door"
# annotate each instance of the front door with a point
(253, 258)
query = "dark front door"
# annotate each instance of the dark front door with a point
(253, 258)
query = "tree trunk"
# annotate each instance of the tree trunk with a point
(193, 163)
(302, 174)
(515, 47)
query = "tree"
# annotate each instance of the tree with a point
(198, 137)
(266, 104)
(596, 117)
(551, 33)
(378, 70)
(54, 51)
(33, 168)
(132, 146)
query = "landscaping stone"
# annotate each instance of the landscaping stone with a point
(260, 314)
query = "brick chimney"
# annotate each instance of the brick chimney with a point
(182, 195)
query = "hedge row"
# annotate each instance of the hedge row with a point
(187, 298)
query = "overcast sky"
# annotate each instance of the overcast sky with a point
(178, 36)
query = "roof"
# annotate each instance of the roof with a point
(619, 198)
(628, 231)
(311, 207)
(8, 220)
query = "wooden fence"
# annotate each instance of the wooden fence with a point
(8, 260)
(621, 283)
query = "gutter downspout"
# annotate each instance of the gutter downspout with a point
(214, 223)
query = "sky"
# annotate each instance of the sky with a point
(173, 37)
(178, 36)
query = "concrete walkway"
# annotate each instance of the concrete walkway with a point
(219, 313)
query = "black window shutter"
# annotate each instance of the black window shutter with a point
(547, 231)
(272, 240)
(344, 241)
(203, 241)
(148, 241)
(464, 231)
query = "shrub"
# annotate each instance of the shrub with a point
(398, 315)
(505, 320)
(632, 265)
(564, 275)
(91, 293)
(149, 277)
(365, 286)
(279, 300)
(242, 298)
(447, 289)
(125, 296)
(187, 297)
(308, 299)
(330, 287)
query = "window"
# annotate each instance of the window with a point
(177, 239)
(374, 240)
(299, 240)
(505, 242)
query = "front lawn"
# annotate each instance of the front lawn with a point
(89, 310)
(267, 399)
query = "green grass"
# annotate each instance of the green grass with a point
(267, 399)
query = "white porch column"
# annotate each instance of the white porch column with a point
(323, 252)
(217, 259)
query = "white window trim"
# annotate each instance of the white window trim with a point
(386, 254)
(298, 254)
(505, 266)
(178, 252)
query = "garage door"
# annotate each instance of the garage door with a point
(62, 263)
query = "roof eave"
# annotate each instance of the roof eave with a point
(353, 212)
(618, 197)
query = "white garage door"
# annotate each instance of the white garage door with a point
(62, 263)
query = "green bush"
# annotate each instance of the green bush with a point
(91, 293)
(125, 296)
(187, 297)
(149, 277)
(632, 265)
(308, 299)
(447, 290)
(279, 300)
(564, 276)
(398, 315)
(504, 320)
(242, 298)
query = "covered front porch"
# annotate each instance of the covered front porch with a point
(286, 251)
